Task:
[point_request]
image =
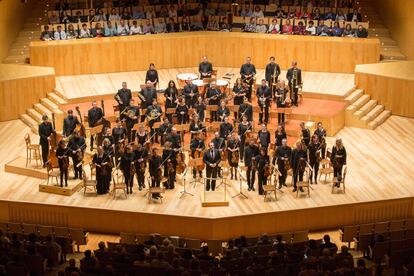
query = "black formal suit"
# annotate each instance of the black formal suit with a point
(69, 125)
(250, 153)
(293, 83)
(206, 68)
(152, 76)
(298, 161)
(125, 95)
(271, 69)
(246, 70)
(45, 130)
(188, 89)
(211, 157)
(264, 96)
(94, 115)
(156, 110)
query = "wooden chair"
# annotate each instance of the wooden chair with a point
(155, 190)
(348, 233)
(300, 236)
(32, 151)
(118, 185)
(52, 174)
(326, 169)
(192, 243)
(268, 190)
(88, 184)
(306, 183)
(342, 181)
(78, 237)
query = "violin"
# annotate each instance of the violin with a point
(235, 157)
(254, 165)
(199, 154)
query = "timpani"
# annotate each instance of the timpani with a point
(184, 77)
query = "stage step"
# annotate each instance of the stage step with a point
(30, 122)
(56, 99)
(49, 104)
(372, 114)
(34, 114)
(384, 115)
(354, 96)
(42, 109)
(365, 108)
(361, 101)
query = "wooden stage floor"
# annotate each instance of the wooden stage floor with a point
(379, 186)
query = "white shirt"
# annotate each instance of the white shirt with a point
(114, 17)
(135, 30)
(274, 28)
(258, 14)
(84, 33)
(60, 35)
(311, 30)
(261, 28)
(172, 13)
(123, 30)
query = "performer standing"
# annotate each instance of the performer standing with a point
(250, 153)
(200, 108)
(233, 146)
(262, 161)
(164, 130)
(247, 73)
(77, 148)
(95, 116)
(103, 166)
(338, 159)
(155, 163)
(264, 96)
(196, 126)
(314, 152)
(226, 129)
(170, 164)
(281, 96)
(147, 96)
(245, 109)
(123, 97)
(245, 127)
(170, 94)
(294, 76)
(152, 75)
(211, 158)
(205, 68)
(191, 93)
(154, 113)
(181, 112)
(197, 147)
(119, 135)
(70, 123)
(131, 118)
(63, 161)
(140, 161)
(272, 73)
(238, 95)
(175, 139)
(45, 131)
(283, 155)
(264, 137)
(128, 168)
(213, 96)
(223, 111)
(321, 132)
(299, 159)
(305, 134)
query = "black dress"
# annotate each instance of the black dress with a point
(103, 173)
(232, 144)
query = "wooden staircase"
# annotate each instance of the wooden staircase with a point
(364, 112)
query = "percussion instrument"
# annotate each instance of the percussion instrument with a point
(222, 85)
(201, 86)
(183, 78)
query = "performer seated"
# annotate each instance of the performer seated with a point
(191, 93)
(70, 123)
(140, 162)
(250, 153)
(128, 168)
(262, 163)
(211, 158)
(314, 153)
(226, 128)
(171, 95)
(264, 96)
(77, 146)
(263, 137)
(103, 164)
(46, 130)
(197, 147)
(205, 68)
(272, 73)
(233, 147)
(299, 159)
(239, 91)
(164, 130)
(304, 134)
(181, 112)
(245, 109)
(213, 96)
(63, 161)
(247, 73)
(321, 132)
(294, 76)
(169, 161)
(130, 116)
(200, 108)
(152, 75)
(338, 159)
(245, 127)
(155, 163)
(223, 111)
(95, 117)
(283, 155)
(154, 113)
(123, 97)
(281, 97)
(196, 126)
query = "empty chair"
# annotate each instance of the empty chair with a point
(397, 245)
(365, 229)
(45, 230)
(397, 235)
(379, 250)
(142, 238)
(396, 225)
(32, 151)
(15, 228)
(4, 227)
(263, 250)
(252, 240)
(409, 224)
(78, 236)
(363, 242)
(128, 238)
(29, 228)
(61, 232)
(348, 233)
(52, 174)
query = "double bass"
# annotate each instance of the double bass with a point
(80, 127)
(55, 138)
(181, 166)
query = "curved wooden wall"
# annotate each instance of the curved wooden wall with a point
(133, 53)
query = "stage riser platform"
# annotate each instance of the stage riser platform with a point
(18, 166)
(113, 221)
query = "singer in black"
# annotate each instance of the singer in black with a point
(155, 163)
(63, 161)
(152, 75)
(264, 96)
(247, 73)
(205, 68)
(95, 116)
(123, 96)
(283, 155)
(191, 93)
(294, 76)
(77, 146)
(305, 134)
(250, 153)
(272, 73)
(211, 158)
(338, 159)
(140, 161)
(226, 128)
(69, 124)
(314, 152)
(298, 161)
(45, 131)
(128, 168)
(262, 160)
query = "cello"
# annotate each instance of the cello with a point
(55, 138)
(199, 154)
(80, 127)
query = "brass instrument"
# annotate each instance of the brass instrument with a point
(153, 115)
(118, 99)
(274, 76)
(141, 97)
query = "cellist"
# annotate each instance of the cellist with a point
(197, 147)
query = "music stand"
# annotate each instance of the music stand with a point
(170, 110)
(193, 163)
(224, 165)
(215, 202)
(212, 107)
(240, 193)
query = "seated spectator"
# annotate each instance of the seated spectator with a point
(65, 17)
(110, 29)
(344, 255)
(163, 12)
(328, 244)
(50, 241)
(205, 255)
(101, 246)
(62, 5)
(297, 13)
(187, 254)
(3, 238)
(150, 14)
(336, 30)
(177, 267)
(91, 16)
(256, 267)
(114, 16)
(321, 27)
(46, 34)
(280, 13)
(261, 27)
(330, 15)
(100, 16)
(78, 18)
(274, 27)
(299, 29)
(317, 14)
(160, 26)
(84, 32)
(96, 29)
(340, 16)
(195, 267)
(361, 32)
(171, 254)
(311, 29)
(138, 13)
(172, 11)
(32, 243)
(88, 263)
(279, 245)
(197, 24)
(224, 25)
(123, 28)
(251, 26)
(355, 15)
(348, 31)
(54, 18)
(212, 24)
(263, 240)
(287, 28)
(71, 267)
(135, 28)
(185, 25)
(307, 14)
(140, 261)
(171, 26)
(324, 31)
(126, 14)
(258, 12)
(246, 12)
(361, 269)
(159, 262)
(148, 28)
(16, 246)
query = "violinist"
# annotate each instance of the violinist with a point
(197, 147)
(263, 137)
(154, 113)
(181, 112)
(103, 164)
(123, 96)
(250, 153)
(321, 132)
(233, 146)
(170, 164)
(175, 139)
(211, 158)
(226, 128)
(305, 134)
(196, 126)
(77, 148)
(191, 93)
(262, 163)
(280, 134)
(298, 161)
(245, 127)
(245, 109)
(281, 96)
(283, 155)
(239, 91)
(219, 143)
(164, 130)
(95, 116)
(314, 153)
(223, 111)
(264, 96)
(128, 168)
(170, 94)
(108, 148)
(70, 123)
(107, 134)
(140, 161)
(155, 163)
(200, 108)
(142, 136)
(131, 118)
(213, 96)
(338, 160)
(119, 135)
(45, 131)
(63, 161)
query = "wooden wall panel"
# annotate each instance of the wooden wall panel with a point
(119, 54)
